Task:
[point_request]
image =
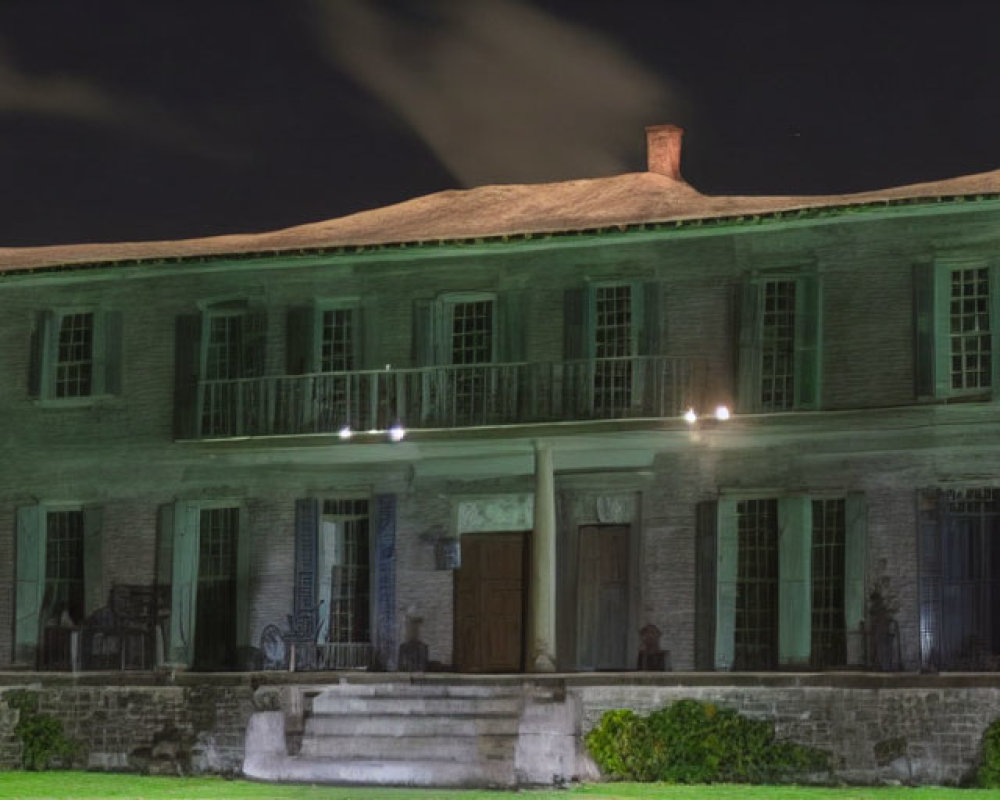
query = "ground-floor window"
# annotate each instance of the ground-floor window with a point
(780, 582)
(64, 599)
(345, 577)
(960, 578)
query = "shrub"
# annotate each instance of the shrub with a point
(693, 742)
(988, 775)
(42, 739)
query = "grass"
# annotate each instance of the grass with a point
(94, 785)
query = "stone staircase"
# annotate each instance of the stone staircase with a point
(412, 734)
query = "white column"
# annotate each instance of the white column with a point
(542, 630)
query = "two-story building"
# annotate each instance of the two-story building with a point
(537, 417)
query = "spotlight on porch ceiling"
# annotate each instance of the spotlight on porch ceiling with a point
(690, 417)
(722, 413)
(397, 432)
(346, 433)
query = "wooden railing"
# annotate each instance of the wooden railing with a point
(451, 396)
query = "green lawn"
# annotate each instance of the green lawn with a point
(93, 785)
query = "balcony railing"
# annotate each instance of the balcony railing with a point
(451, 396)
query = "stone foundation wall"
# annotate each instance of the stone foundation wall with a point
(911, 729)
(922, 729)
(157, 729)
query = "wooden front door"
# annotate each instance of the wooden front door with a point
(490, 602)
(602, 597)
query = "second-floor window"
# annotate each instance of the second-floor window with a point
(76, 354)
(956, 307)
(780, 343)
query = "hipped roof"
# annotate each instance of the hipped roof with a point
(488, 211)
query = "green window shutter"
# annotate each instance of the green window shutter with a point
(359, 354)
(243, 549)
(578, 325)
(184, 582)
(923, 330)
(706, 561)
(855, 556)
(112, 324)
(511, 314)
(808, 341)
(423, 333)
(38, 384)
(94, 596)
(300, 341)
(649, 316)
(749, 358)
(254, 344)
(164, 543)
(725, 596)
(942, 330)
(995, 331)
(30, 581)
(187, 365)
(795, 581)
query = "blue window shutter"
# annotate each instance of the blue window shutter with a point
(808, 341)
(93, 559)
(855, 557)
(749, 358)
(187, 365)
(30, 582)
(930, 523)
(385, 578)
(184, 582)
(794, 581)
(725, 603)
(923, 330)
(304, 582)
(706, 561)
(300, 342)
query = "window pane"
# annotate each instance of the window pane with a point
(971, 343)
(349, 618)
(75, 356)
(829, 535)
(613, 341)
(337, 346)
(778, 346)
(64, 564)
(756, 629)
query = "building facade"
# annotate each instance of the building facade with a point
(471, 412)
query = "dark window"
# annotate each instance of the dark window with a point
(75, 356)
(613, 349)
(337, 345)
(971, 341)
(756, 624)
(828, 552)
(215, 626)
(64, 564)
(349, 618)
(778, 346)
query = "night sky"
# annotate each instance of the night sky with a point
(148, 120)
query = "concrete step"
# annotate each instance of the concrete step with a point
(385, 773)
(403, 689)
(437, 704)
(464, 749)
(408, 725)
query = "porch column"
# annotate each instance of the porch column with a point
(542, 630)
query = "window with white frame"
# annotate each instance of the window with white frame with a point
(467, 342)
(956, 308)
(76, 354)
(614, 344)
(789, 586)
(780, 342)
(345, 570)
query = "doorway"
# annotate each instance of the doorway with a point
(602, 597)
(215, 608)
(490, 602)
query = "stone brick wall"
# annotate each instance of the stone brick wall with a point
(180, 728)
(911, 729)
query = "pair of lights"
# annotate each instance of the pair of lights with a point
(396, 433)
(721, 414)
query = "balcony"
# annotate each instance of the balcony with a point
(451, 396)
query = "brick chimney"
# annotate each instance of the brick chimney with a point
(663, 150)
